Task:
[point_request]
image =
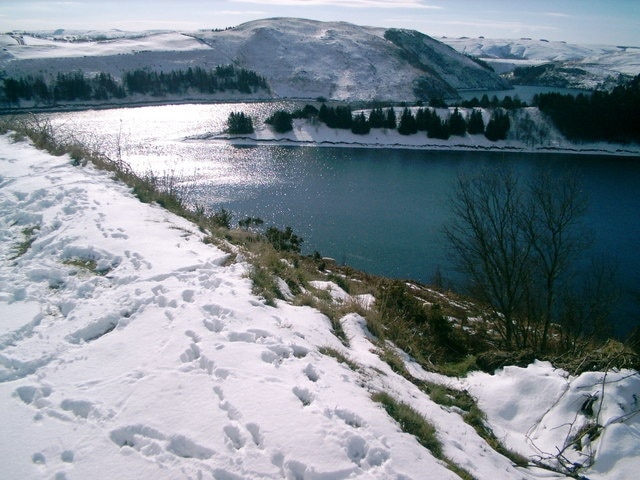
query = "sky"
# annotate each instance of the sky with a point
(613, 22)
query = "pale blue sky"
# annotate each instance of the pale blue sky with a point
(615, 22)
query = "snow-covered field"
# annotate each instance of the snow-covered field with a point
(130, 349)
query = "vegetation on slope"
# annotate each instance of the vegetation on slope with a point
(76, 86)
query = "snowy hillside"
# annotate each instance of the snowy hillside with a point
(601, 63)
(131, 349)
(299, 58)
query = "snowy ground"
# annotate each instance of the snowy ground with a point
(155, 360)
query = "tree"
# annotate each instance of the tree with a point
(520, 245)
(498, 126)
(360, 124)
(489, 246)
(407, 123)
(437, 127)
(390, 120)
(376, 118)
(551, 225)
(281, 121)
(457, 124)
(239, 123)
(475, 124)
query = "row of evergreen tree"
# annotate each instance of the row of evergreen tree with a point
(64, 87)
(76, 86)
(610, 116)
(424, 120)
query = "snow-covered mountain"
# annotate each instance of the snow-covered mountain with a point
(299, 58)
(582, 66)
(131, 349)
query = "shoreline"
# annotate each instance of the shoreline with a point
(344, 139)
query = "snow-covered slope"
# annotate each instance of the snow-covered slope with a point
(131, 349)
(299, 58)
(600, 63)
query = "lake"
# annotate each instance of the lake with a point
(378, 210)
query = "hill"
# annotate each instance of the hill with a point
(299, 58)
(565, 64)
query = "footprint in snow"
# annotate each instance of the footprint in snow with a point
(234, 437)
(304, 395)
(311, 373)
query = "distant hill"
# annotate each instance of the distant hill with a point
(299, 58)
(542, 62)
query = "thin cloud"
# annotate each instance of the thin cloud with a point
(242, 12)
(346, 3)
(555, 14)
(497, 25)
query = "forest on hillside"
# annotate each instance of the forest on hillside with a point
(74, 86)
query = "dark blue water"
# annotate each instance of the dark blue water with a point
(383, 211)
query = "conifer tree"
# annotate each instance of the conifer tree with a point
(376, 118)
(498, 126)
(360, 124)
(408, 124)
(390, 120)
(457, 124)
(475, 124)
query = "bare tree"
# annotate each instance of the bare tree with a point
(489, 245)
(553, 230)
(519, 244)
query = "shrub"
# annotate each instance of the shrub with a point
(222, 218)
(284, 240)
(239, 123)
(281, 121)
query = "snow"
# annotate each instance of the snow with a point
(46, 46)
(156, 360)
(602, 62)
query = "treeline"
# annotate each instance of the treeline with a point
(408, 123)
(77, 86)
(609, 116)
(177, 82)
(64, 87)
